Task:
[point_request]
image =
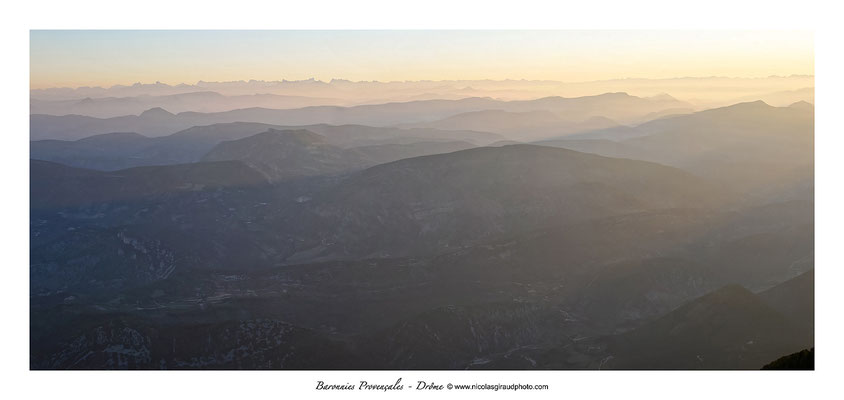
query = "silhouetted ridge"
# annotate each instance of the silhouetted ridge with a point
(802, 360)
(156, 112)
(113, 137)
(803, 105)
(439, 202)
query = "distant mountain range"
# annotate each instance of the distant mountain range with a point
(704, 92)
(523, 126)
(200, 101)
(752, 147)
(157, 122)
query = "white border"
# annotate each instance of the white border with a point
(19, 17)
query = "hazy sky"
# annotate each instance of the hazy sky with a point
(105, 58)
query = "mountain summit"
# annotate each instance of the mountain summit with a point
(287, 154)
(156, 112)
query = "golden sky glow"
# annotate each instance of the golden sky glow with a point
(105, 58)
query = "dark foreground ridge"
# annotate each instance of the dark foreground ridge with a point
(802, 360)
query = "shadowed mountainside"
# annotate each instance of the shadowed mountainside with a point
(287, 154)
(116, 151)
(727, 329)
(448, 200)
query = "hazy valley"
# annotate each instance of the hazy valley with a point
(427, 225)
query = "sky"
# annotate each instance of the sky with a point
(106, 58)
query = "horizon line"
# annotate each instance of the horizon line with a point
(312, 79)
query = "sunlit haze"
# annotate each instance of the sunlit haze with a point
(106, 58)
